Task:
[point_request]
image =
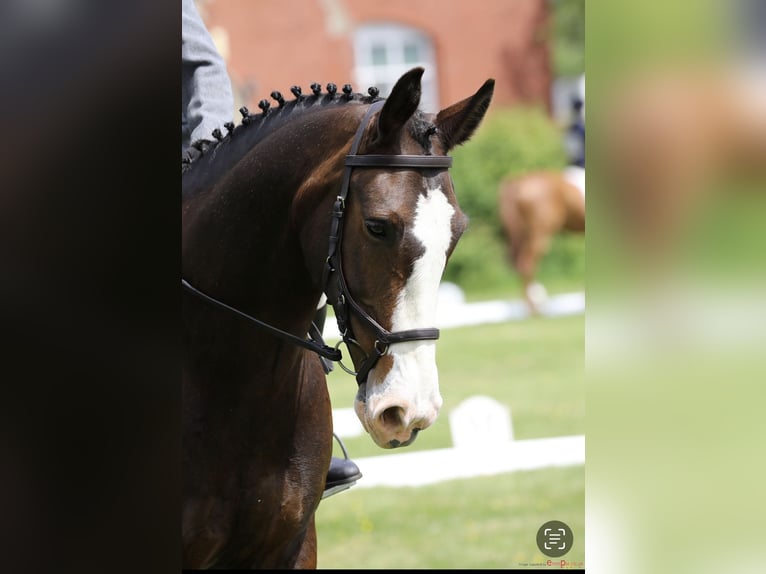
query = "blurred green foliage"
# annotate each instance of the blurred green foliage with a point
(568, 54)
(510, 142)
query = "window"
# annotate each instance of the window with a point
(384, 51)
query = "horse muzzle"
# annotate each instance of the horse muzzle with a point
(393, 420)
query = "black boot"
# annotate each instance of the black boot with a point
(342, 474)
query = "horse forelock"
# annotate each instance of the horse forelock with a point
(422, 129)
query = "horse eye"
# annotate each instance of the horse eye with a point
(376, 228)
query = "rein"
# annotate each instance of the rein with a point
(316, 344)
(337, 291)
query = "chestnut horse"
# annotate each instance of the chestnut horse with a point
(534, 208)
(668, 135)
(331, 194)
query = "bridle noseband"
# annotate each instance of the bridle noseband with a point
(334, 281)
(337, 290)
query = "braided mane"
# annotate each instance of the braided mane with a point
(273, 116)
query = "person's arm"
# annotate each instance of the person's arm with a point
(206, 96)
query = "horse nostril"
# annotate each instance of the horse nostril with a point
(392, 417)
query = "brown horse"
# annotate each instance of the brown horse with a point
(670, 137)
(337, 194)
(534, 208)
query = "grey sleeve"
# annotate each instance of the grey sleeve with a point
(206, 96)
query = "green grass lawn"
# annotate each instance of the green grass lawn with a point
(536, 368)
(487, 522)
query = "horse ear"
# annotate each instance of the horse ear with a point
(400, 105)
(457, 123)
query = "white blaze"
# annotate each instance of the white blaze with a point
(413, 375)
(416, 306)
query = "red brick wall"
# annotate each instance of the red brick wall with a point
(276, 44)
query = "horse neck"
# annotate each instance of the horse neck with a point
(256, 237)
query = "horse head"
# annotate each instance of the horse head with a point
(402, 223)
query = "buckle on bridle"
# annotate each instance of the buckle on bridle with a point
(343, 339)
(384, 351)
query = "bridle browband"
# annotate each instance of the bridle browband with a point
(337, 290)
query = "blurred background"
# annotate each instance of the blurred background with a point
(676, 280)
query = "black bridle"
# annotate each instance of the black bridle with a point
(334, 281)
(337, 290)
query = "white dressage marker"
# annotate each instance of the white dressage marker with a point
(480, 422)
(419, 468)
(478, 425)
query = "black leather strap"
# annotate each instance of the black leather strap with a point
(420, 161)
(316, 345)
(382, 334)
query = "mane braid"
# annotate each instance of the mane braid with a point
(202, 148)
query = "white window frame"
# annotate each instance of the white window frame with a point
(393, 38)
